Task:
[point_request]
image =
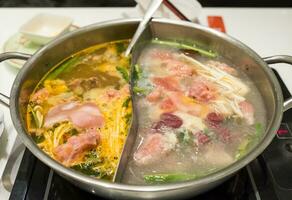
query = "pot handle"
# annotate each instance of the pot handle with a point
(281, 59)
(11, 55)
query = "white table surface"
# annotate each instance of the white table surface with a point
(267, 31)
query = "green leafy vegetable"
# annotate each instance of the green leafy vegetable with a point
(258, 129)
(87, 168)
(128, 117)
(185, 46)
(126, 102)
(92, 157)
(67, 66)
(38, 138)
(185, 137)
(242, 148)
(124, 72)
(139, 90)
(137, 74)
(121, 47)
(73, 131)
(248, 142)
(168, 178)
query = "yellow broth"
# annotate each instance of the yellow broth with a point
(95, 77)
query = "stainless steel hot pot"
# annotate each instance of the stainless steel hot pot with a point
(41, 62)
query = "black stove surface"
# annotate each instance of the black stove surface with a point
(267, 177)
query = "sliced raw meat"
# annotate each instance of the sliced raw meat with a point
(202, 90)
(75, 146)
(40, 96)
(162, 55)
(167, 105)
(179, 68)
(86, 115)
(247, 111)
(187, 104)
(201, 138)
(154, 147)
(168, 83)
(155, 95)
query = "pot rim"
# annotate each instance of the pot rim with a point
(70, 173)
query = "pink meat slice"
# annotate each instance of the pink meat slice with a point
(155, 95)
(169, 83)
(179, 68)
(86, 115)
(248, 111)
(191, 108)
(153, 148)
(75, 146)
(40, 95)
(202, 90)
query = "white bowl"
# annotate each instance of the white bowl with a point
(44, 27)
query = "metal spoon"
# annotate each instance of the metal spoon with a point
(154, 5)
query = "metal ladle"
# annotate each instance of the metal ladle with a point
(154, 5)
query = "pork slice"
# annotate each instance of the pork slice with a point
(86, 115)
(202, 90)
(59, 113)
(247, 111)
(40, 96)
(154, 147)
(75, 147)
(169, 83)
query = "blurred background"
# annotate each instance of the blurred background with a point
(119, 3)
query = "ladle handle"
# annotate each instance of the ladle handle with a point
(281, 59)
(154, 5)
(4, 99)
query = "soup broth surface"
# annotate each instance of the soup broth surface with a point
(79, 113)
(196, 115)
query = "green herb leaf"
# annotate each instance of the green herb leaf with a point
(88, 170)
(185, 137)
(67, 66)
(185, 46)
(126, 102)
(92, 158)
(248, 142)
(137, 74)
(38, 138)
(124, 72)
(243, 148)
(121, 47)
(128, 117)
(73, 131)
(139, 90)
(258, 129)
(168, 178)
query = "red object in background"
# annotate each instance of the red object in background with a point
(282, 132)
(217, 23)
